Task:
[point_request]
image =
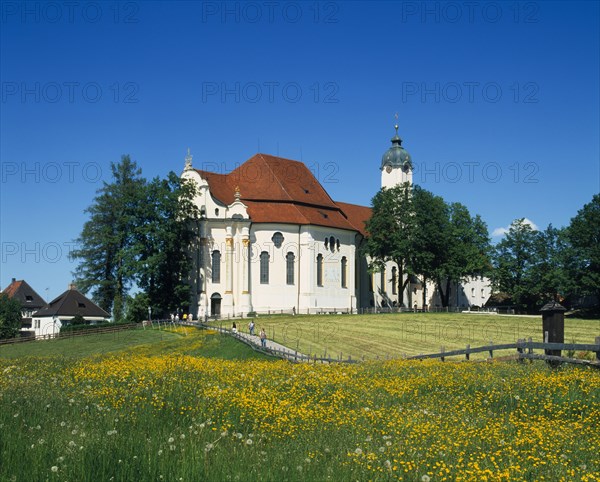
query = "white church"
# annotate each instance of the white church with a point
(270, 238)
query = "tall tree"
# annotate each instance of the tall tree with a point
(391, 229)
(553, 258)
(467, 250)
(167, 227)
(105, 243)
(584, 234)
(432, 223)
(514, 258)
(10, 316)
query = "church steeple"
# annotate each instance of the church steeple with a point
(188, 161)
(396, 163)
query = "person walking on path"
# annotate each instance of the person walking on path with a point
(263, 338)
(251, 327)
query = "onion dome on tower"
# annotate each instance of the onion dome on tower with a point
(396, 156)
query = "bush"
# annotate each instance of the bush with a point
(78, 320)
(103, 324)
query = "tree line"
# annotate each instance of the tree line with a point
(443, 243)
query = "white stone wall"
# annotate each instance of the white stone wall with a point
(395, 177)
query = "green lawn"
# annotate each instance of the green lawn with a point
(188, 341)
(399, 334)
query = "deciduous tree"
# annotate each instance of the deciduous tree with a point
(10, 316)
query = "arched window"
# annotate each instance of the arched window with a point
(264, 268)
(332, 243)
(277, 239)
(394, 281)
(326, 243)
(344, 275)
(216, 267)
(337, 244)
(382, 280)
(319, 269)
(289, 268)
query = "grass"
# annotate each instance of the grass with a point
(183, 341)
(157, 410)
(395, 335)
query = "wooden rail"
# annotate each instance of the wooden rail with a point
(524, 350)
(73, 334)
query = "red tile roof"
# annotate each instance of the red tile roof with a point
(357, 215)
(281, 190)
(24, 294)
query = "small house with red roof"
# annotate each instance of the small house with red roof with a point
(30, 301)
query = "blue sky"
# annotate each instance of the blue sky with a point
(498, 104)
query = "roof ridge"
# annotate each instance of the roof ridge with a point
(276, 177)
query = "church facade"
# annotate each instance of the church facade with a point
(270, 238)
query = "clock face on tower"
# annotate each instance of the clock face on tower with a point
(388, 168)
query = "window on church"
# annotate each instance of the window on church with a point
(394, 281)
(289, 268)
(319, 269)
(216, 267)
(332, 243)
(326, 243)
(344, 274)
(264, 268)
(337, 244)
(277, 239)
(382, 280)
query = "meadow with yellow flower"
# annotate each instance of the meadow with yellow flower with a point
(164, 410)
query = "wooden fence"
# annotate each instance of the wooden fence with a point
(73, 334)
(524, 350)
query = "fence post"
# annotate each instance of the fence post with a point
(491, 349)
(443, 350)
(520, 350)
(468, 352)
(598, 351)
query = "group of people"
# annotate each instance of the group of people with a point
(251, 327)
(184, 317)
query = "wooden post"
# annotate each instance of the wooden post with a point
(598, 352)
(491, 350)
(468, 353)
(443, 350)
(520, 349)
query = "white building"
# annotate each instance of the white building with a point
(48, 321)
(270, 238)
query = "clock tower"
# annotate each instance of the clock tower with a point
(396, 164)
